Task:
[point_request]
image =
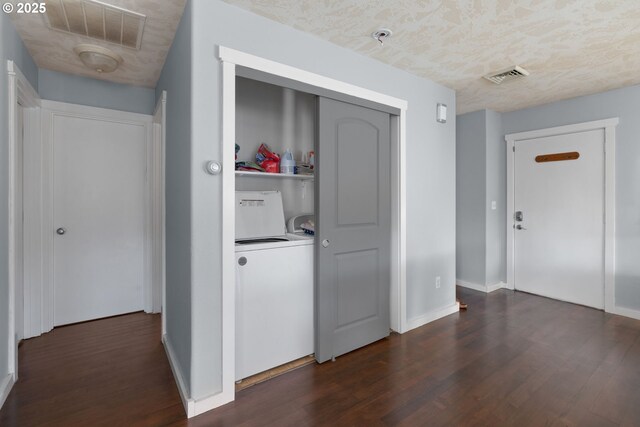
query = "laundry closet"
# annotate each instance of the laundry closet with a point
(313, 244)
(274, 256)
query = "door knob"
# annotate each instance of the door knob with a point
(61, 231)
(519, 227)
(325, 243)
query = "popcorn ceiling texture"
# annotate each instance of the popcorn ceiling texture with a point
(53, 50)
(571, 47)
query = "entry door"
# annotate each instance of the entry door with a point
(99, 218)
(353, 206)
(559, 238)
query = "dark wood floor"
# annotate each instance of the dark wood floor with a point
(511, 359)
(110, 372)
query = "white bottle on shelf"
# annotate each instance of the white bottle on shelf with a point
(287, 164)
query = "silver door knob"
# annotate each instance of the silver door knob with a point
(61, 231)
(519, 227)
(325, 243)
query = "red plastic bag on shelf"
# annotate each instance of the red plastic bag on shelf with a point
(271, 166)
(268, 159)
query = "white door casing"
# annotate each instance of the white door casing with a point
(514, 143)
(558, 243)
(19, 231)
(23, 107)
(158, 211)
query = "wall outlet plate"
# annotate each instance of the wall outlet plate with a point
(437, 282)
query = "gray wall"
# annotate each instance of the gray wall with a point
(62, 87)
(176, 80)
(11, 48)
(480, 180)
(625, 104)
(496, 190)
(430, 166)
(471, 131)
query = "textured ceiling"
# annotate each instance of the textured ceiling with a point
(54, 49)
(570, 47)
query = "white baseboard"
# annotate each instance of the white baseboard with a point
(187, 402)
(470, 285)
(192, 406)
(416, 322)
(627, 312)
(495, 287)
(481, 288)
(6, 384)
(201, 406)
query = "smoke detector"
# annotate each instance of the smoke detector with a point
(98, 58)
(381, 35)
(510, 73)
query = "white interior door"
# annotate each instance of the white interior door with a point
(559, 239)
(99, 194)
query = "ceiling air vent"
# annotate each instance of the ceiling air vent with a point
(508, 74)
(96, 20)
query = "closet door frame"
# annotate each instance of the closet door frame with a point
(231, 60)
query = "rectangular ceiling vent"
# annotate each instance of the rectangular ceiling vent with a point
(96, 20)
(510, 73)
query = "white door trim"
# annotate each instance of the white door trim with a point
(20, 92)
(152, 259)
(609, 126)
(230, 58)
(158, 211)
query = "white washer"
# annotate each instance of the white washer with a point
(274, 286)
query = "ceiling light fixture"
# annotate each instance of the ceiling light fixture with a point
(381, 35)
(98, 58)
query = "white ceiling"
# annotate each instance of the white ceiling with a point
(570, 47)
(53, 50)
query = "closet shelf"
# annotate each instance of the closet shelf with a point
(273, 175)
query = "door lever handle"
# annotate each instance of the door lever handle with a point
(519, 227)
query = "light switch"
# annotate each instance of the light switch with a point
(494, 205)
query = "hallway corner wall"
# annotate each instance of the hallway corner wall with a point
(11, 48)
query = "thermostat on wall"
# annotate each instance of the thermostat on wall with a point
(213, 167)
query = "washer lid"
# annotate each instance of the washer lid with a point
(259, 214)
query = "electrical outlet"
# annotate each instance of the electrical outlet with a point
(437, 282)
(494, 205)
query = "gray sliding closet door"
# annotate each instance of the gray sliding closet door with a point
(353, 238)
